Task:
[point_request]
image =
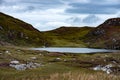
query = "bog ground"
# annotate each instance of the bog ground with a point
(58, 66)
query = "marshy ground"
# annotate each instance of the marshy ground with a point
(57, 66)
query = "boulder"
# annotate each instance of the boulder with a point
(20, 66)
(14, 62)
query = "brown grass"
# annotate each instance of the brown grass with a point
(79, 76)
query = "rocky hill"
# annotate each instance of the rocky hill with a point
(17, 32)
(106, 35)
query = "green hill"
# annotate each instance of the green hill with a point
(67, 36)
(17, 32)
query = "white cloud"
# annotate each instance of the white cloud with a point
(57, 24)
(51, 25)
(47, 15)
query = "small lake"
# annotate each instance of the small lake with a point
(72, 50)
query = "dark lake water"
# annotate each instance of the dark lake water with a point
(73, 50)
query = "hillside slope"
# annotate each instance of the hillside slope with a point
(67, 36)
(17, 32)
(106, 35)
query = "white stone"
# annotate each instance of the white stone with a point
(6, 51)
(29, 65)
(109, 65)
(104, 69)
(18, 50)
(33, 58)
(97, 67)
(108, 71)
(58, 58)
(20, 67)
(14, 62)
(40, 54)
(38, 65)
(1, 53)
(11, 65)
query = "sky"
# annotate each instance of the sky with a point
(51, 14)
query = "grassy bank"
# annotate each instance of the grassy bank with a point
(56, 66)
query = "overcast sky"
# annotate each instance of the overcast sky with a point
(51, 14)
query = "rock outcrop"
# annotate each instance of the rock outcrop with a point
(22, 66)
(106, 35)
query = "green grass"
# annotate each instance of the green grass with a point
(77, 65)
(18, 32)
(67, 36)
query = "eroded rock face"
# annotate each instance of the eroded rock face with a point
(112, 22)
(106, 35)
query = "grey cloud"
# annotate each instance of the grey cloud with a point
(9, 2)
(43, 3)
(1, 1)
(30, 8)
(26, 9)
(30, 5)
(98, 1)
(105, 1)
(91, 19)
(74, 19)
(89, 8)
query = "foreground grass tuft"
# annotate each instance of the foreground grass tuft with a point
(77, 76)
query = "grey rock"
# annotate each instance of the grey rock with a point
(29, 65)
(1, 28)
(33, 58)
(14, 62)
(106, 68)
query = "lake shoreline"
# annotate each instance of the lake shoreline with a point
(74, 50)
(52, 63)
